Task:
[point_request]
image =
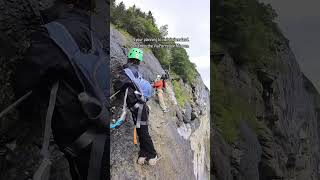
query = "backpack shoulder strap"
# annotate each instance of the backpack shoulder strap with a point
(61, 36)
(129, 73)
(139, 75)
(131, 76)
(43, 172)
(47, 131)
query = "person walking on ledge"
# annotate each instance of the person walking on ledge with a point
(139, 92)
(159, 85)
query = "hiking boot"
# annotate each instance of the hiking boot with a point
(141, 160)
(153, 161)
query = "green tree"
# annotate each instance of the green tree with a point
(113, 3)
(139, 13)
(140, 25)
(151, 30)
(135, 26)
(182, 65)
(150, 17)
(164, 56)
(164, 30)
(246, 29)
(118, 14)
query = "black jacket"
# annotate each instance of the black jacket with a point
(123, 82)
(46, 63)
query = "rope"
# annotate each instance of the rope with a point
(13, 105)
(114, 94)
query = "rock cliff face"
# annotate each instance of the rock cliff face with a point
(183, 147)
(20, 141)
(286, 143)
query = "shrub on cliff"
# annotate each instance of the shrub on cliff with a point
(180, 94)
(247, 29)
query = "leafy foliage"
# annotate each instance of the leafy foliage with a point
(247, 29)
(143, 25)
(164, 30)
(181, 66)
(229, 108)
(180, 94)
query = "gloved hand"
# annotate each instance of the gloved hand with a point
(118, 123)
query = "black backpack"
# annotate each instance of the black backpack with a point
(91, 69)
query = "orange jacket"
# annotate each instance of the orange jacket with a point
(159, 84)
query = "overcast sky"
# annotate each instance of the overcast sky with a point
(185, 19)
(300, 22)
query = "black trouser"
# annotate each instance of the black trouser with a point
(146, 144)
(145, 141)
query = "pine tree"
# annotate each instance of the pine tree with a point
(150, 16)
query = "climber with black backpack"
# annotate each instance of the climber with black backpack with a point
(67, 71)
(138, 90)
